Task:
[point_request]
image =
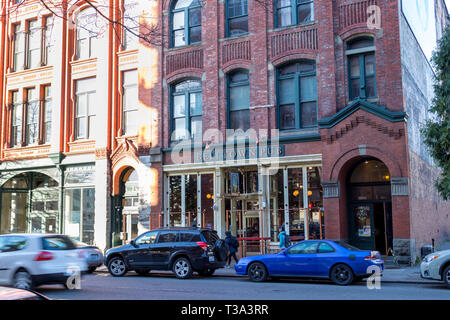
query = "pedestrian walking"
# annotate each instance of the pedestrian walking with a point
(285, 241)
(233, 245)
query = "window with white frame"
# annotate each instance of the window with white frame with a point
(49, 40)
(85, 108)
(34, 42)
(87, 32)
(19, 48)
(131, 25)
(16, 121)
(130, 103)
(48, 108)
(32, 114)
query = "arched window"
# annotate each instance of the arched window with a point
(292, 12)
(297, 95)
(87, 31)
(186, 110)
(236, 17)
(239, 100)
(186, 22)
(361, 68)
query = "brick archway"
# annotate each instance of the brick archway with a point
(341, 165)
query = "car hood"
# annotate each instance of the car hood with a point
(442, 253)
(119, 248)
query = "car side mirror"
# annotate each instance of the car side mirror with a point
(284, 252)
(133, 243)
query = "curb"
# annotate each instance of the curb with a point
(382, 280)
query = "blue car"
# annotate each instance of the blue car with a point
(338, 261)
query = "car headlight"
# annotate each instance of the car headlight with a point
(431, 258)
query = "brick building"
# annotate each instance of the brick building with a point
(104, 136)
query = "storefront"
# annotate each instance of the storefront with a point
(247, 199)
(30, 204)
(79, 203)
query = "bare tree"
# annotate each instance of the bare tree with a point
(139, 24)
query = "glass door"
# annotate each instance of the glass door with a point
(362, 233)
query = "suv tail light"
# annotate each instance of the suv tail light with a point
(203, 245)
(44, 256)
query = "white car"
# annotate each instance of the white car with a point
(30, 260)
(436, 266)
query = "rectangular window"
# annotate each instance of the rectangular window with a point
(17, 116)
(87, 31)
(48, 108)
(237, 14)
(187, 110)
(49, 41)
(130, 103)
(85, 108)
(284, 13)
(131, 25)
(297, 96)
(19, 48)
(239, 101)
(34, 41)
(32, 126)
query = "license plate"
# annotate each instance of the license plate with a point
(211, 259)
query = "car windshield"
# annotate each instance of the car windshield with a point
(347, 246)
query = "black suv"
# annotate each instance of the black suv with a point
(182, 250)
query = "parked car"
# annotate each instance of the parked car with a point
(92, 254)
(30, 260)
(338, 261)
(7, 293)
(436, 266)
(182, 250)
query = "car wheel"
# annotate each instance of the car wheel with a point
(206, 272)
(117, 267)
(342, 275)
(446, 276)
(257, 272)
(23, 280)
(142, 272)
(182, 268)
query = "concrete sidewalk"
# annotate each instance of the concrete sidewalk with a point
(409, 275)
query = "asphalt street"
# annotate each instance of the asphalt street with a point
(156, 286)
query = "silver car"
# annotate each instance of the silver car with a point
(92, 254)
(436, 266)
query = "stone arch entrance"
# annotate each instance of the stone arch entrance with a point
(125, 205)
(30, 203)
(369, 205)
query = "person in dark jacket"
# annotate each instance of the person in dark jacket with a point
(233, 245)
